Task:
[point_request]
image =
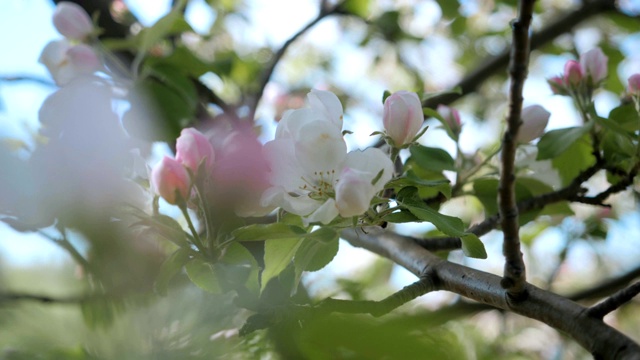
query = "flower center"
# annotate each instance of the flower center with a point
(320, 186)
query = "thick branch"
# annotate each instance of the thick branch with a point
(514, 269)
(558, 312)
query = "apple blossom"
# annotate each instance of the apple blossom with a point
(557, 85)
(594, 65)
(402, 117)
(72, 21)
(573, 73)
(67, 62)
(192, 148)
(312, 175)
(634, 84)
(168, 178)
(534, 120)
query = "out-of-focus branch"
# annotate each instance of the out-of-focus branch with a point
(514, 269)
(268, 72)
(495, 64)
(614, 301)
(27, 78)
(11, 297)
(382, 307)
(593, 334)
(607, 287)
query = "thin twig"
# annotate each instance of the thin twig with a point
(45, 299)
(514, 268)
(607, 287)
(27, 78)
(268, 72)
(614, 301)
(382, 307)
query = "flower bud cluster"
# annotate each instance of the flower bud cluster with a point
(581, 77)
(170, 178)
(71, 57)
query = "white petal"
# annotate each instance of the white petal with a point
(285, 171)
(279, 197)
(371, 161)
(320, 147)
(328, 104)
(324, 214)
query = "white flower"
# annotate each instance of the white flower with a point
(311, 173)
(67, 62)
(72, 21)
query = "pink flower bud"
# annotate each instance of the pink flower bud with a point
(534, 119)
(72, 21)
(573, 73)
(594, 64)
(402, 117)
(634, 84)
(452, 116)
(557, 85)
(169, 177)
(353, 193)
(192, 148)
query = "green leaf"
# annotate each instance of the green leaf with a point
(175, 79)
(411, 179)
(403, 216)
(433, 159)
(313, 255)
(258, 232)
(473, 247)
(357, 7)
(171, 266)
(168, 228)
(203, 275)
(627, 117)
(278, 254)
(556, 142)
(612, 126)
(169, 24)
(577, 158)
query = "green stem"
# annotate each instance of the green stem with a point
(196, 237)
(208, 221)
(477, 168)
(64, 243)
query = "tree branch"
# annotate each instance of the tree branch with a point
(9, 297)
(600, 339)
(382, 307)
(607, 287)
(493, 65)
(614, 301)
(514, 268)
(268, 72)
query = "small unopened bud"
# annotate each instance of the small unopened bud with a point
(168, 178)
(534, 120)
(452, 117)
(634, 84)
(573, 73)
(594, 65)
(192, 148)
(72, 21)
(403, 117)
(557, 85)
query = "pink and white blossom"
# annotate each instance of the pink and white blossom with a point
(67, 62)
(534, 120)
(634, 84)
(403, 117)
(452, 117)
(72, 21)
(312, 175)
(169, 178)
(594, 65)
(192, 148)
